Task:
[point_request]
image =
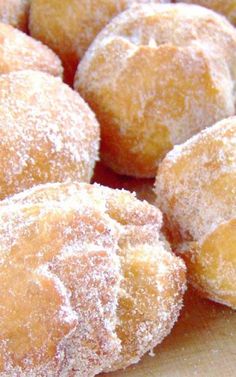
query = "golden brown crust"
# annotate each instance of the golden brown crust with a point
(196, 185)
(48, 133)
(91, 255)
(59, 286)
(144, 188)
(70, 26)
(18, 51)
(156, 75)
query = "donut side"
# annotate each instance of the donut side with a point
(195, 187)
(19, 51)
(48, 133)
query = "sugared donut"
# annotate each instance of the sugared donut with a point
(226, 7)
(18, 51)
(156, 75)
(15, 13)
(196, 190)
(69, 26)
(86, 283)
(47, 132)
(143, 188)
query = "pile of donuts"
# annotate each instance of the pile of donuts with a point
(92, 277)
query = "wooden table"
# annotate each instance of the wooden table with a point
(203, 342)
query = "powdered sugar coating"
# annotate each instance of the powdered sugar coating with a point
(196, 190)
(15, 13)
(150, 294)
(65, 326)
(70, 26)
(48, 133)
(83, 239)
(18, 51)
(170, 68)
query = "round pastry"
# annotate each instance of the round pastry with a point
(18, 51)
(69, 26)
(226, 7)
(87, 285)
(156, 75)
(47, 132)
(143, 188)
(196, 187)
(15, 13)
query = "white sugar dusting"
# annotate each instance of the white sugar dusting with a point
(80, 240)
(79, 23)
(19, 52)
(196, 190)
(200, 203)
(48, 133)
(168, 65)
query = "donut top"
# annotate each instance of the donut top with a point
(198, 179)
(171, 65)
(177, 24)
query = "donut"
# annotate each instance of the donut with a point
(47, 132)
(87, 283)
(196, 190)
(18, 52)
(69, 26)
(15, 13)
(226, 7)
(155, 76)
(143, 188)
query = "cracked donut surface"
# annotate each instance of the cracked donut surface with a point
(87, 284)
(155, 76)
(70, 26)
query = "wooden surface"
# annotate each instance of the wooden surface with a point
(203, 342)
